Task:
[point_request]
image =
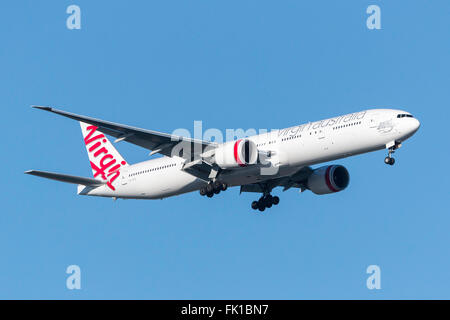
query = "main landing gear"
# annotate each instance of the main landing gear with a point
(266, 201)
(213, 188)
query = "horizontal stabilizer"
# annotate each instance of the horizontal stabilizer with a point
(66, 178)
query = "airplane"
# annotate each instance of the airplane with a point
(259, 164)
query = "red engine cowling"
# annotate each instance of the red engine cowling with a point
(238, 153)
(328, 179)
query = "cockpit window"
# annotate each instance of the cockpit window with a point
(403, 115)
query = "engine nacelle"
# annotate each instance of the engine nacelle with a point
(238, 153)
(328, 179)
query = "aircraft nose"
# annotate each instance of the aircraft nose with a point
(415, 125)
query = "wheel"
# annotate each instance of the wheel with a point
(387, 160)
(217, 186)
(392, 161)
(202, 191)
(209, 188)
(224, 186)
(275, 200)
(268, 201)
(210, 194)
(216, 191)
(255, 205)
(261, 204)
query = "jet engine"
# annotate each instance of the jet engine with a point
(328, 179)
(238, 153)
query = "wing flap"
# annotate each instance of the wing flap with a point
(199, 169)
(297, 180)
(66, 178)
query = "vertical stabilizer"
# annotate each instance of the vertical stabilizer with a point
(106, 162)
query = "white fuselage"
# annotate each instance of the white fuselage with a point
(292, 148)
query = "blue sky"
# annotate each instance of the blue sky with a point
(236, 64)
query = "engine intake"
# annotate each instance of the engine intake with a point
(328, 179)
(238, 153)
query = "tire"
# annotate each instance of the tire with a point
(209, 194)
(202, 191)
(392, 161)
(209, 188)
(387, 160)
(275, 200)
(217, 186)
(261, 204)
(255, 205)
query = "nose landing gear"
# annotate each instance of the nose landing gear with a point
(266, 201)
(389, 159)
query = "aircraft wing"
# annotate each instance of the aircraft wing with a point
(66, 178)
(297, 180)
(157, 142)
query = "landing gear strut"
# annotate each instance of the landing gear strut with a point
(389, 159)
(213, 188)
(266, 201)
